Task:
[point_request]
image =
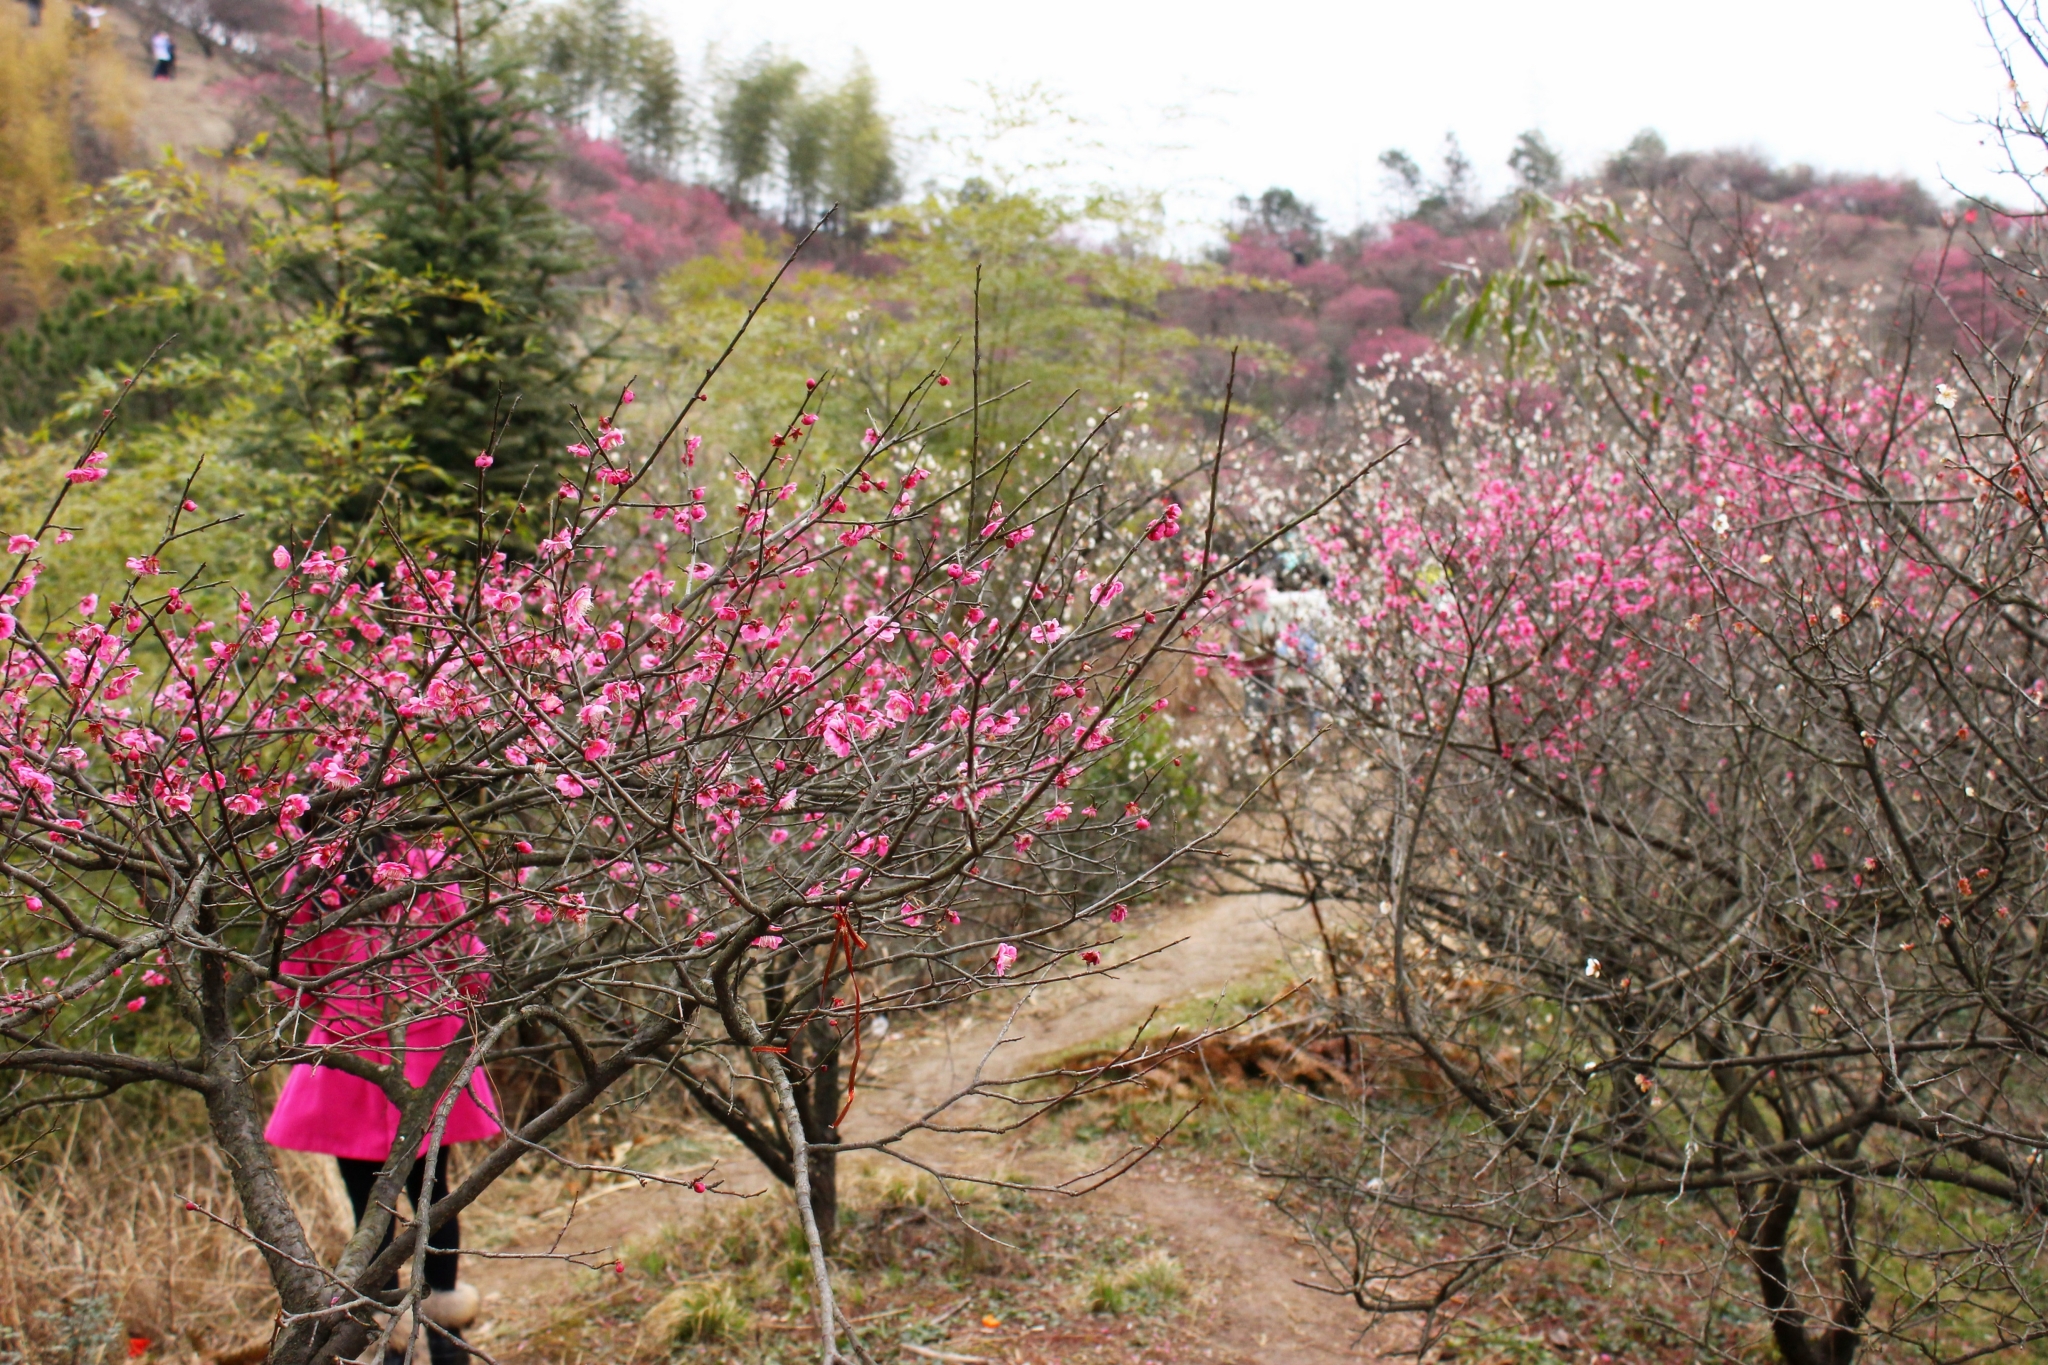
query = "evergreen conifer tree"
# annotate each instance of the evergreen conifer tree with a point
(114, 315)
(458, 197)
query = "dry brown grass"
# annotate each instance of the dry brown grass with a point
(100, 1243)
(111, 1252)
(728, 1283)
(100, 1247)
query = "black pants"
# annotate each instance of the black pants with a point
(360, 1176)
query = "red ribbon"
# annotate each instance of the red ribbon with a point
(844, 937)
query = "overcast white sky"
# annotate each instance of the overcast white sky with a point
(1203, 101)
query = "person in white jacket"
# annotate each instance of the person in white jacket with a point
(1290, 668)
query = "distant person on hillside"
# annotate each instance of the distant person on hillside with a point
(35, 13)
(165, 54)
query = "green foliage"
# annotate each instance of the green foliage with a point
(152, 470)
(854, 161)
(113, 316)
(278, 410)
(1282, 216)
(707, 1311)
(198, 404)
(1641, 162)
(1509, 308)
(1537, 165)
(347, 338)
(1448, 203)
(751, 118)
(1064, 322)
(1146, 1285)
(338, 138)
(730, 1237)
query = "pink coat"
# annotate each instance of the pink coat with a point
(324, 1110)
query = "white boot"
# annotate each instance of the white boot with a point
(454, 1308)
(451, 1309)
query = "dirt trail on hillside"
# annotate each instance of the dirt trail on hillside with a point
(1216, 1224)
(1257, 1313)
(1185, 955)
(188, 115)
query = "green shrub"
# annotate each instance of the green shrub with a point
(1146, 1285)
(708, 1310)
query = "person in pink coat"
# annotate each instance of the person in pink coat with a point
(323, 1109)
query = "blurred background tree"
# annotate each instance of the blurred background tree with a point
(65, 114)
(819, 147)
(1066, 321)
(602, 66)
(1538, 166)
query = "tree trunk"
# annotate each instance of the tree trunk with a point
(529, 1085)
(237, 1127)
(1764, 1232)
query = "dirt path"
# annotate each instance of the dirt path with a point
(1186, 955)
(1256, 1314)
(1215, 1222)
(1259, 1312)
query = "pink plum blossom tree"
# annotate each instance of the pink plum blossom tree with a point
(750, 752)
(1676, 816)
